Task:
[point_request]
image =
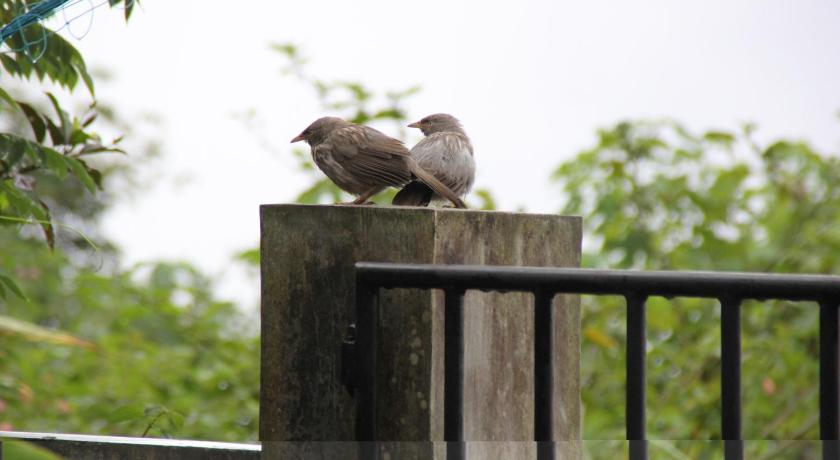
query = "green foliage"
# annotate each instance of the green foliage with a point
(89, 347)
(655, 196)
(167, 358)
(58, 143)
(20, 450)
(59, 61)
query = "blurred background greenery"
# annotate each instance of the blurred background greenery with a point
(91, 347)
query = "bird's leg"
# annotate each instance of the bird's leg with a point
(364, 196)
(362, 199)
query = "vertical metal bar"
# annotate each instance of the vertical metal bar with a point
(453, 374)
(456, 450)
(829, 379)
(544, 374)
(733, 449)
(368, 450)
(635, 398)
(638, 449)
(830, 450)
(636, 349)
(367, 321)
(730, 380)
(545, 450)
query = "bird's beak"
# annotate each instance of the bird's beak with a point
(298, 138)
(416, 124)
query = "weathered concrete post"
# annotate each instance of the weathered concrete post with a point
(308, 254)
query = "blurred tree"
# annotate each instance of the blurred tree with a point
(653, 195)
(58, 145)
(161, 357)
(148, 350)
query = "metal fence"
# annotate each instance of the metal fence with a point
(730, 289)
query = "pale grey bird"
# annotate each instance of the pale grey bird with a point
(445, 152)
(363, 161)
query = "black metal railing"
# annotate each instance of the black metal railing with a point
(730, 289)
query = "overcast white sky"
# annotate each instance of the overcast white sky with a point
(530, 80)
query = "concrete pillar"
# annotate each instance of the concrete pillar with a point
(308, 254)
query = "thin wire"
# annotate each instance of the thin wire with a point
(45, 10)
(68, 21)
(27, 46)
(37, 12)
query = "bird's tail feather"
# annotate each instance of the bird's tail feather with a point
(414, 194)
(435, 184)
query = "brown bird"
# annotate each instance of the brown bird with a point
(363, 161)
(447, 153)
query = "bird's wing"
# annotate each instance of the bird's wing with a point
(370, 156)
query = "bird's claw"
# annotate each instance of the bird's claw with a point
(354, 203)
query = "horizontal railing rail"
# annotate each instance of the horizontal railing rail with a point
(730, 289)
(80, 446)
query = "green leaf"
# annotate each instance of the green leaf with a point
(154, 410)
(287, 49)
(487, 200)
(89, 119)
(60, 62)
(78, 136)
(132, 411)
(56, 134)
(14, 147)
(97, 177)
(55, 162)
(129, 7)
(23, 205)
(13, 449)
(399, 95)
(36, 333)
(324, 188)
(359, 92)
(719, 137)
(9, 284)
(250, 256)
(82, 69)
(27, 208)
(6, 97)
(80, 169)
(35, 121)
(389, 114)
(46, 225)
(66, 124)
